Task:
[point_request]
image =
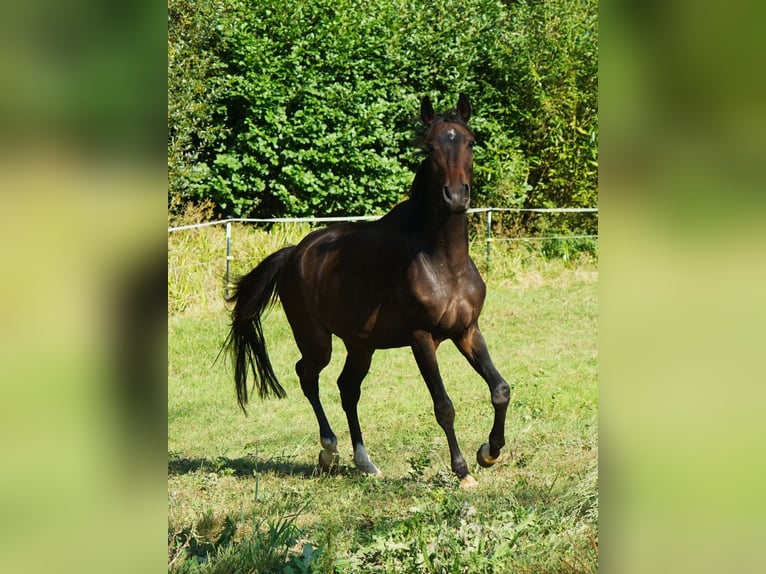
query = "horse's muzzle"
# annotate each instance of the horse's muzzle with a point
(457, 197)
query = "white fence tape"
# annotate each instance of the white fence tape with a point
(374, 217)
(482, 210)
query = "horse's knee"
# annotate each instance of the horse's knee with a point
(501, 394)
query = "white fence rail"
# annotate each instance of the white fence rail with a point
(488, 211)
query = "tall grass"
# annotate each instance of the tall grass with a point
(197, 257)
(197, 260)
(210, 546)
(245, 494)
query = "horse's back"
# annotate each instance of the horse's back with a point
(372, 284)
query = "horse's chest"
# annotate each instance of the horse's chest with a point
(448, 302)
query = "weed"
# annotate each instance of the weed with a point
(269, 548)
(418, 463)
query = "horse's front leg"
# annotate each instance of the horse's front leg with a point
(473, 347)
(424, 348)
(350, 385)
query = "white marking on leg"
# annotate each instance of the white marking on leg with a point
(362, 461)
(329, 444)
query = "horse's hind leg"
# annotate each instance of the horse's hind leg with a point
(315, 345)
(308, 373)
(350, 385)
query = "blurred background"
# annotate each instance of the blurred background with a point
(682, 315)
(82, 343)
(84, 204)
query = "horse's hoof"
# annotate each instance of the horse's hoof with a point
(483, 457)
(468, 482)
(368, 468)
(362, 462)
(373, 472)
(328, 461)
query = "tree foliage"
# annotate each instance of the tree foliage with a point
(309, 108)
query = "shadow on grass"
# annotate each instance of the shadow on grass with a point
(242, 467)
(248, 466)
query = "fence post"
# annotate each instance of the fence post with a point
(228, 257)
(489, 235)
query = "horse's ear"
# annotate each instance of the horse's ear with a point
(426, 111)
(464, 107)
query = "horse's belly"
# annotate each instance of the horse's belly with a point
(374, 326)
(385, 327)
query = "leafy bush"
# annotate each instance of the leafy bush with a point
(282, 108)
(556, 57)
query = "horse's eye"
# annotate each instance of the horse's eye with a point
(471, 144)
(430, 148)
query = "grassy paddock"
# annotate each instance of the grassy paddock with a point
(244, 493)
(197, 257)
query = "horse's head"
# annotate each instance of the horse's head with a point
(449, 142)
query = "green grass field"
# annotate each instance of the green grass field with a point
(244, 492)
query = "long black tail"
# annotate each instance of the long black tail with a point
(253, 294)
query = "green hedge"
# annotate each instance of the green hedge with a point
(309, 108)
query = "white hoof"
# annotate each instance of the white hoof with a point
(468, 482)
(362, 462)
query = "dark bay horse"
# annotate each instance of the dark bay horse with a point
(403, 280)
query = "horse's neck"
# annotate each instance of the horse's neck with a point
(450, 240)
(446, 233)
(442, 236)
